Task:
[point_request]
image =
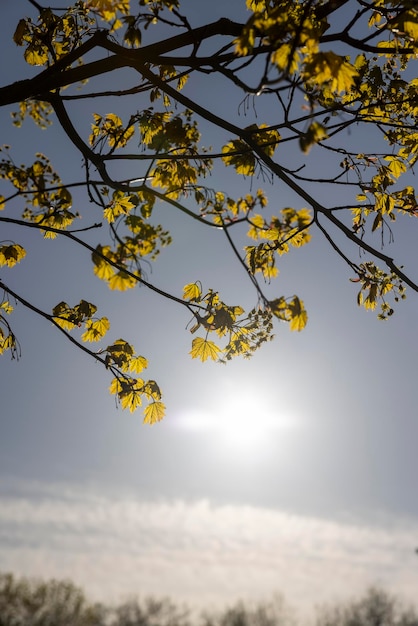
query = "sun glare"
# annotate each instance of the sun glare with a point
(240, 421)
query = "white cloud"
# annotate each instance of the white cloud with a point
(200, 553)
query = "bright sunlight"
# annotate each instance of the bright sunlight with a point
(242, 421)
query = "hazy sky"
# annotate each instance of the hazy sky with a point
(294, 472)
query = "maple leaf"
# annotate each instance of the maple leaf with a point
(203, 349)
(154, 413)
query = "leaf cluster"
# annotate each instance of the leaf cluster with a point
(322, 78)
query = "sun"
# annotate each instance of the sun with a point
(241, 421)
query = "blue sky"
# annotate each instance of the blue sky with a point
(294, 472)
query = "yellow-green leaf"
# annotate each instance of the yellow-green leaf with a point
(257, 224)
(6, 343)
(286, 57)
(131, 400)
(396, 165)
(6, 307)
(238, 154)
(315, 133)
(279, 308)
(331, 68)
(115, 387)
(192, 291)
(154, 413)
(121, 281)
(96, 330)
(120, 205)
(297, 314)
(36, 54)
(12, 254)
(65, 324)
(129, 392)
(137, 364)
(203, 349)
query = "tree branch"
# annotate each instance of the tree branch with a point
(69, 235)
(50, 318)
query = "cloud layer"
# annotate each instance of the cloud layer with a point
(199, 553)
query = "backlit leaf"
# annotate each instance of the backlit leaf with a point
(96, 330)
(298, 315)
(396, 165)
(203, 349)
(121, 205)
(154, 413)
(192, 291)
(6, 307)
(331, 68)
(238, 154)
(257, 223)
(36, 54)
(131, 400)
(12, 254)
(115, 386)
(102, 268)
(122, 281)
(315, 133)
(137, 364)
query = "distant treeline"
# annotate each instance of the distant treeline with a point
(33, 602)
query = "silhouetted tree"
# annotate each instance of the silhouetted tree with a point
(30, 602)
(376, 608)
(150, 612)
(273, 613)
